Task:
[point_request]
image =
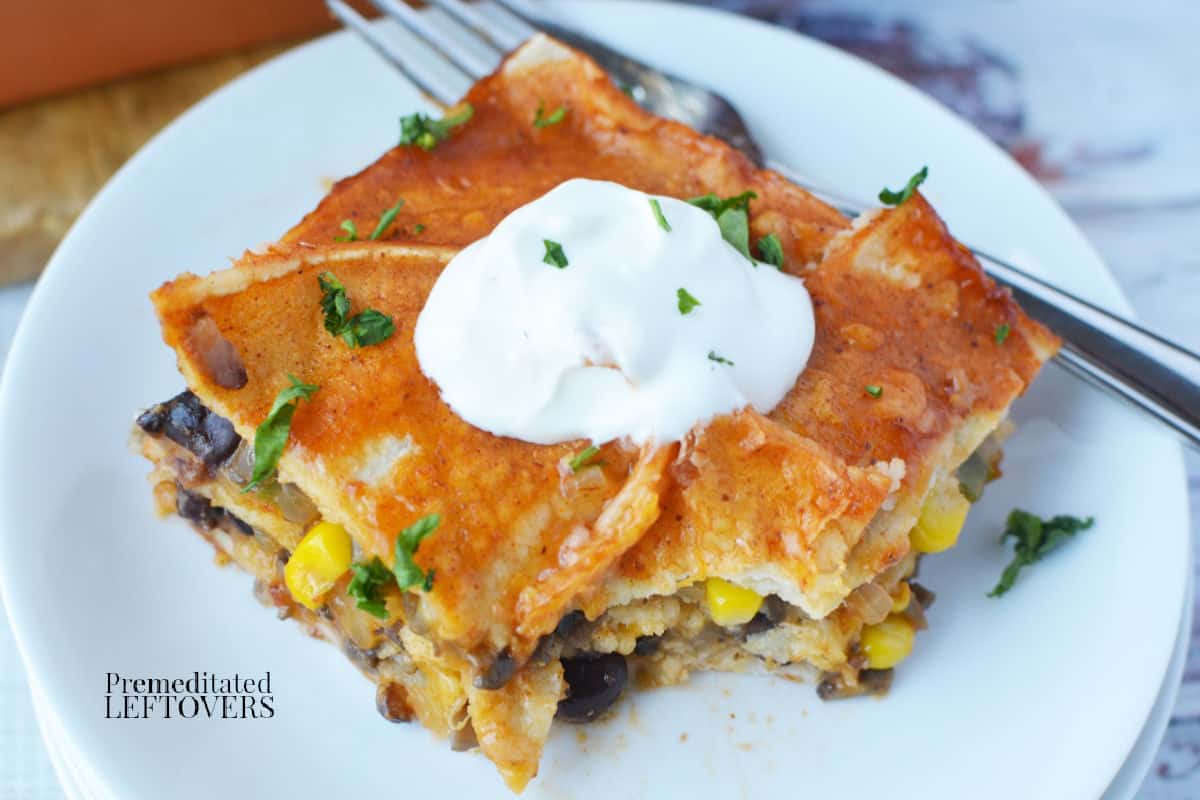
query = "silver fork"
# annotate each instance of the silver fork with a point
(446, 52)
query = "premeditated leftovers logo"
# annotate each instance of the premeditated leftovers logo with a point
(200, 695)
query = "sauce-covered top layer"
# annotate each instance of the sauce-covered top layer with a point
(907, 355)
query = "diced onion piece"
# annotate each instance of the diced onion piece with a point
(870, 602)
(295, 504)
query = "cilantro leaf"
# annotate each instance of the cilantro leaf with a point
(426, 132)
(365, 328)
(386, 219)
(686, 301)
(334, 302)
(369, 581)
(407, 573)
(888, 197)
(543, 120)
(1035, 538)
(555, 256)
(712, 356)
(658, 215)
(351, 231)
(733, 218)
(271, 435)
(581, 459)
(770, 250)
(717, 206)
(1002, 332)
(874, 390)
(735, 229)
(368, 327)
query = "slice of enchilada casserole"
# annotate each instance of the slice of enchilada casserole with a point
(782, 541)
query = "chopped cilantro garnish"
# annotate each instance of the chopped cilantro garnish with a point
(733, 218)
(365, 328)
(770, 250)
(407, 573)
(874, 391)
(271, 436)
(425, 132)
(686, 301)
(334, 302)
(555, 256)
(419, 228)
(1035, 539)
(543, 120)
(658, 215)
(888, 197)
(717, 206)
(581, 459)
(368, 327)
(735, 229)
(369, 581)
(712, 356)
(1002, 332)
(386, 219)
(351, 231)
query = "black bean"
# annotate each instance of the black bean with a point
(647, 645)
(220, 440)
(184, 417)
(498, 674)
(594, 682)
(185, 421)
(773, 611)
(570, 622)
(151, 420)
(196, 508)
(759, 623)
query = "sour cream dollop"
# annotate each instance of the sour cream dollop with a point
(599, 349)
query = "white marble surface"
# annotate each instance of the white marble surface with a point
(1098, 98)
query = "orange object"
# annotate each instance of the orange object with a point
(49, 46)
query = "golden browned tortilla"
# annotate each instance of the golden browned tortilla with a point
(807, 503)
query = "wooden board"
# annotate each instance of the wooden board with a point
(56, 153)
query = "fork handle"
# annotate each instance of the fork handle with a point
(1137, 365)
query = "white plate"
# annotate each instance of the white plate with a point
(1141, 757)
(1041, 693)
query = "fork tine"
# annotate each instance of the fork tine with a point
(462, 58)
(521, 11)
(425, 80)
(502, 39)
(851, 208)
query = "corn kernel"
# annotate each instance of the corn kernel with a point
(941, 519)
(887, 643)
(901, 598)
(730, 604)
(323, 556)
